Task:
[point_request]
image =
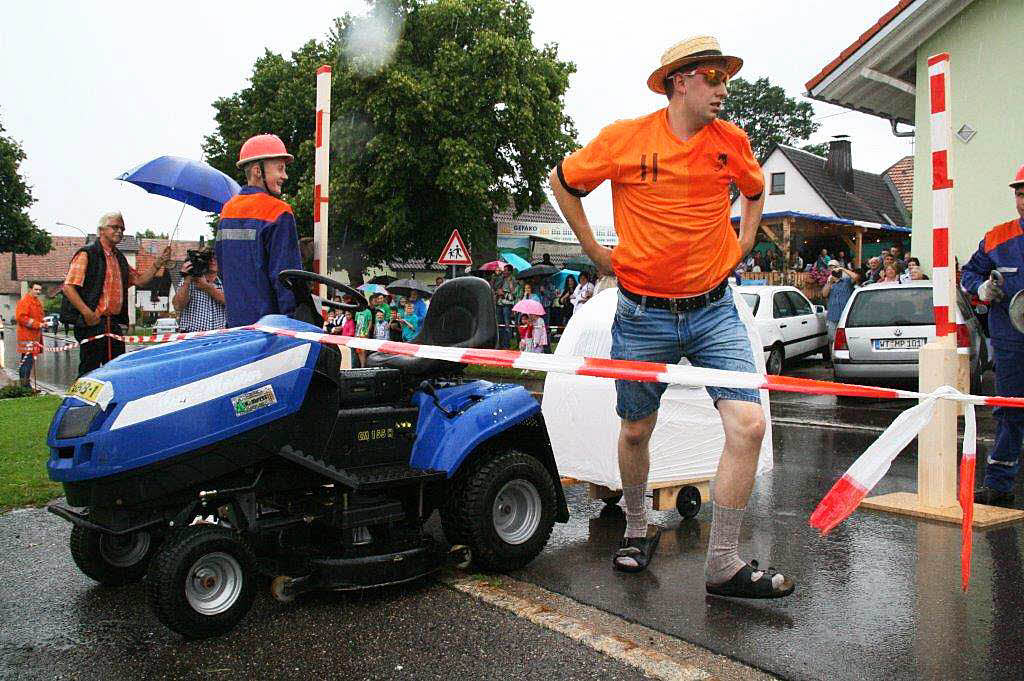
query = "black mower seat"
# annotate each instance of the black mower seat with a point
(461, 315)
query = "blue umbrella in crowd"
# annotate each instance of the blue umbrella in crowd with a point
(512, 259)
(194, 183)
(558, 280)
(373, 289)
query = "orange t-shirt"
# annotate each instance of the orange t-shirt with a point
(670, 200)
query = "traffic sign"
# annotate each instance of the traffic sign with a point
(455, 251)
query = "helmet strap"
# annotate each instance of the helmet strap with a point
(263, 179)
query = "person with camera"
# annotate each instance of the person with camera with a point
(199, 299)
(837, 290)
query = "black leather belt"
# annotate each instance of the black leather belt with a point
(679, 304)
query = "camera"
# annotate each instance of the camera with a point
(200, 261)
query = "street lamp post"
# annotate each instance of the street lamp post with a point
(64, 224)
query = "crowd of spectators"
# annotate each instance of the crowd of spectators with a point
(559, 304)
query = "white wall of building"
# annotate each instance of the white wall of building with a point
(799, 196)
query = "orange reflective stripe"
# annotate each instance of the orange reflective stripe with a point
(1000, 234)
(255, 207)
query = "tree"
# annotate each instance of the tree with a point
(148, 233)
(767, 115)
(18, 234)
(466, 118)
(820, 149)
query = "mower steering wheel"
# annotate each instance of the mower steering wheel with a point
(291, 277)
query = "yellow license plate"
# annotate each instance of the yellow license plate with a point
(86, 389)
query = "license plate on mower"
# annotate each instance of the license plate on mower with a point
(897, 343)
(87, 389)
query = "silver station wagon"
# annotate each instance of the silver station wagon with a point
(884, 327)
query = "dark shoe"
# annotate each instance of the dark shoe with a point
(637, 552)
(752, 582)
(992, 497)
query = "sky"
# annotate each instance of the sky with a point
(93, 89)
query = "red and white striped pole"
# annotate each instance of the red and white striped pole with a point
(945, 293)
(321, 172)
(944, 282)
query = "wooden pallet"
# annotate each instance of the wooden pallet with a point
(664, 493)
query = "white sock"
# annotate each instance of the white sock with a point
(636, 510)
(723, 558)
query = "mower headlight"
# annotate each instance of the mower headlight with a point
(76, 421)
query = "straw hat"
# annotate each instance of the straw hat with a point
(690, 51)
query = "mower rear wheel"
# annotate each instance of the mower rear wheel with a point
(503, 510)
(112, 560)
(203, 582)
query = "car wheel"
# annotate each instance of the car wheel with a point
(503, 510)
(776, 357)
(203, 582)
(112, 560)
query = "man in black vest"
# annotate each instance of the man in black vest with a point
(96, 292)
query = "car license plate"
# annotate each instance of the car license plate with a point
(897, 343)
(86, 389)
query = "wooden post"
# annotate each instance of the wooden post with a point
(321, 173)
(787, 242)
(858, 251)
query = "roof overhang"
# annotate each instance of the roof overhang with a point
(877, 74)
(831, 220)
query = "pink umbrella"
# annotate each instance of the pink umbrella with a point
(492, 265)
(529, 306)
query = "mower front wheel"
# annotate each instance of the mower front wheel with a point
(112, 560)
(503, 510)
(203, 582)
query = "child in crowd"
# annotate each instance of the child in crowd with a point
(410, 321)
(533, 334)
(380, 327)
(348, 324)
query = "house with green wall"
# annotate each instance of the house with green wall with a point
(885, 73)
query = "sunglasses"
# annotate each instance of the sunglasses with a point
(712, 76)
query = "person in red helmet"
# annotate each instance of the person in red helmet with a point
(1002, 250)
(256, 237)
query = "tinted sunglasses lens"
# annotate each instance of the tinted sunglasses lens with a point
(715, 77)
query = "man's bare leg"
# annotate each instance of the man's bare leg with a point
(744, 427)
(634, 464)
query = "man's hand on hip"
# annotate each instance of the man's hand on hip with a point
(91, 318)
(602, 257)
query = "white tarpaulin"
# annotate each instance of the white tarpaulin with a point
(580, 411)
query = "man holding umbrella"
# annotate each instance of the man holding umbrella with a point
(257, 238)
(96, 292)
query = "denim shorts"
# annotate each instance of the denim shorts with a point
(711, 337)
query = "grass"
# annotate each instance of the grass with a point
(486, 372)
(23, 451)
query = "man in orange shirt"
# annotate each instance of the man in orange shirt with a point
(671, 172)
(96, 292)
(28, 315)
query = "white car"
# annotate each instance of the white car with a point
(166, 325)
(790, 326)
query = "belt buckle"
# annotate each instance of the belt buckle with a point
(674, 305)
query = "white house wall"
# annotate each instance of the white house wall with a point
(799, 196)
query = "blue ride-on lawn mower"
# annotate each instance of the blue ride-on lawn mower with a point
(201, 465)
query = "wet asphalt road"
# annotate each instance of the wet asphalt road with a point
(879, 598)
(57, 624)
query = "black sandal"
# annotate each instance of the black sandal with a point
(638, 549)
(753, 582)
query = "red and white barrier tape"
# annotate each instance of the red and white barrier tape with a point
(837, 504)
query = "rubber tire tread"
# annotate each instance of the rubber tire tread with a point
(470, 511)
(85, 551)
(165, 590)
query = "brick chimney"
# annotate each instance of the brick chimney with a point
(839, 163)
